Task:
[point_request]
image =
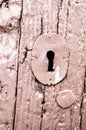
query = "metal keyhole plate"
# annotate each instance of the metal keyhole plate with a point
(53, 72)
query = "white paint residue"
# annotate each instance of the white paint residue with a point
(39, 95)
(57, 74)
(5, 15)
(4, 59)
(8, 51)
(15, 10)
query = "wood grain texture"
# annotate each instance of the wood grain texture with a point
(26, 104)
(29, 100)
(65, 18)
(9, 39)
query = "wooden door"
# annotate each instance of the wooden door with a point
(25, 103)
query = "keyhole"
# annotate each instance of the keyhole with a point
(50, 56)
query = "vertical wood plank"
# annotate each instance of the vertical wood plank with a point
(9, 39)
(53, 117)
(75, 38)
(29, 98)
(70, 27)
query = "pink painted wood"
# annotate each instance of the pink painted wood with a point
(26, 104)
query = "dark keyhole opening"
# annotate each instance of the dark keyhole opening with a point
(50, 56)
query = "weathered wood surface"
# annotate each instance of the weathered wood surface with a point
(9, 39)
(26, 104)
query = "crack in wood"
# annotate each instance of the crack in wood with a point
(42, 110)
(58, 21)
(83, 93)
(41, 26)
(20, 20)
(68, 4)
(59, 8)
(25, 55)
(61, 2)
(71, 116)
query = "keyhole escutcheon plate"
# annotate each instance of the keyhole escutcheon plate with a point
(50, 59)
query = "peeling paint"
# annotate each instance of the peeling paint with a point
(39, 95)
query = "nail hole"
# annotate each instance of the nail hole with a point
(4, 31)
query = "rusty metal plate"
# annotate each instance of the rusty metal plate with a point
(50, 59)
